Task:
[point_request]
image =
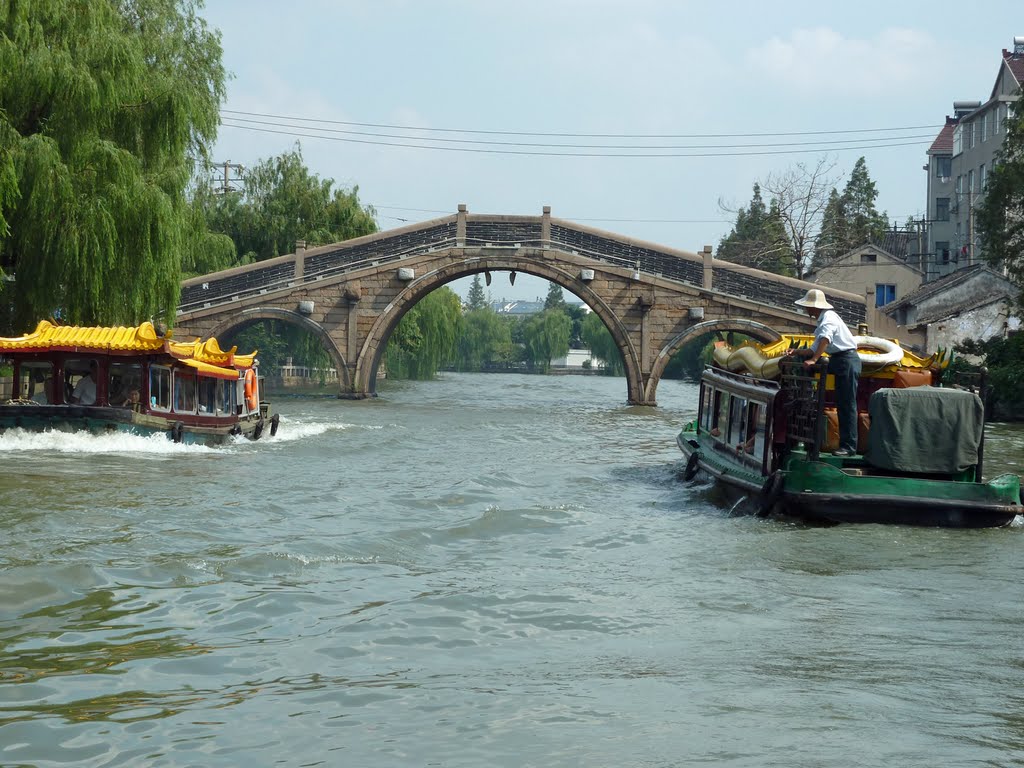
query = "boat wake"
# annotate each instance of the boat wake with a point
(25, 441)
(297, 430)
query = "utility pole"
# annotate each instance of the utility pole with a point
(224, 184)
(970, 226)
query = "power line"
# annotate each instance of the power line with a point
(572, 218)
(530, 153)
(484, 142)
(580, 135)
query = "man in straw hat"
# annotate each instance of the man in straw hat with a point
(832, 336)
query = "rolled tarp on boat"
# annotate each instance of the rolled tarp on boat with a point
(874, 352)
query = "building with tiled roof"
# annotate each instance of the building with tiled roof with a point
(959, 161)
(975, 302)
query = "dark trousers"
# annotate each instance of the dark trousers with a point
(845, 366)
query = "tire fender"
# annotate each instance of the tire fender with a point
(771, 493)
(692, 466)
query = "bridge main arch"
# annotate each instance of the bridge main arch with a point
(373, 348)
(254, 314)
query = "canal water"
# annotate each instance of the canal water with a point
(484, 570)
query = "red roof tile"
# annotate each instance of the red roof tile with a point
(943, 144)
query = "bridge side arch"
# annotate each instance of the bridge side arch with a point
(249, 316)
(374, 345)
(759, 331)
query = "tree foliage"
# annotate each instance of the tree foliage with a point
(801, 194)
(104, 105)
(476, 299)
(282, 202)
(1004, 358)
(426, 337)
(758, 238)
(486, 339)
(1000, 215)
(546, 335)
(602, 345)
(555, 298)
(851, 219)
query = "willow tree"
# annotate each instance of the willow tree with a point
(599, 341)
(485, 339)
(546, 335)
(104, 106)
(426, 337)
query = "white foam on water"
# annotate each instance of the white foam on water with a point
(21, 440)
(288, 431)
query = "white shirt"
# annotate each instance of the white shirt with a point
(832, 328)
(85, 391)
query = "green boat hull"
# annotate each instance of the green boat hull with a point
(834, 490)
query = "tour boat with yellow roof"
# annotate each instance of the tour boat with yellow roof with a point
(766, 428)
(133, 379)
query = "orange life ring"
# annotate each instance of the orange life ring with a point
(251, 399)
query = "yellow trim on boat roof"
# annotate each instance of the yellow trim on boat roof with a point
(216, 371)
(209, 351)
(48, 336)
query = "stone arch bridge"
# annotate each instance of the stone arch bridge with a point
(351, 295)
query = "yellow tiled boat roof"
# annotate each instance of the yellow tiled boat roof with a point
(143, 338)
(49, 336)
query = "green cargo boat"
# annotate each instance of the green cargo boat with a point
(766, 441)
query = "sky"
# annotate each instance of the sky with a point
(673, 109)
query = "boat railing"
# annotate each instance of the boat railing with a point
(804, 390)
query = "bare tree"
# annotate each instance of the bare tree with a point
(802, 194)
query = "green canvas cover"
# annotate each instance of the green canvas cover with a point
(925, 429)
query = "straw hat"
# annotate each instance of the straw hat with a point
(814, 299)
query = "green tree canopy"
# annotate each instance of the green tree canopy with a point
(486, 339)
(426, 336)
(104, 106)
(850, 220)
(1000, 216)
(476, 299)
(599, 341)
(758, 238)
(546, 335)
(282, 202)
(555, 298)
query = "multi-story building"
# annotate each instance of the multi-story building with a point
(959, 161)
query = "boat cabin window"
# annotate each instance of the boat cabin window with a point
(160, 387)
(737, 421)
(35, 382)
(225, 396)
(208, 389)
(124, 379)
(707, 406)
(757, 422)
(184, 391)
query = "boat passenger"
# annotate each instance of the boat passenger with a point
(41, 389)
(132, 401)
(85, 389)
(832, 335)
